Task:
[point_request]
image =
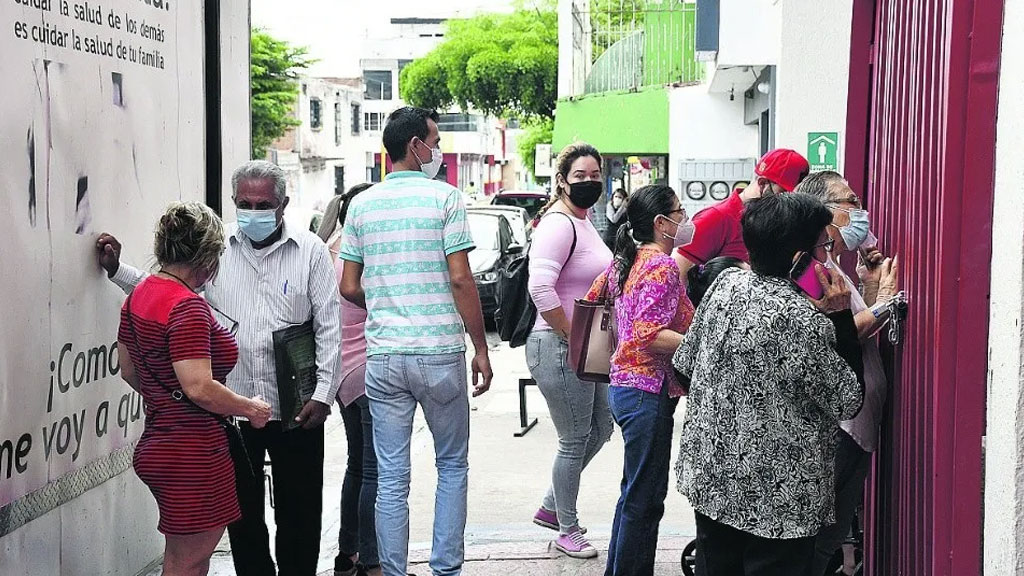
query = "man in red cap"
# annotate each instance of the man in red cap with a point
(717, 228)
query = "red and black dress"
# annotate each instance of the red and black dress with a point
(183, 454)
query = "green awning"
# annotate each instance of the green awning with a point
(615, 123)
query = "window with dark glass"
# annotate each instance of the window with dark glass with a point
(337, 123)
(315, 114)
(378, 84)
(458, 123)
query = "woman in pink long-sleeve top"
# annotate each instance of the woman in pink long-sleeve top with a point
(566, 255)
(357, 540)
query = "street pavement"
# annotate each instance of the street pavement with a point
(508, 477)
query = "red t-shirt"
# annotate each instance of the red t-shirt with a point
(718, 232)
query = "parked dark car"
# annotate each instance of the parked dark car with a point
(532, 201)
(496, 247)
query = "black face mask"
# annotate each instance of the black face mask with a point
(585, 194)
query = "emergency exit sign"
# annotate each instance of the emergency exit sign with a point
(823, 151)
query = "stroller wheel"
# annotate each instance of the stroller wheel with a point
(689, 559)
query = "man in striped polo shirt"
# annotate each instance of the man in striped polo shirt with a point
(405, 247)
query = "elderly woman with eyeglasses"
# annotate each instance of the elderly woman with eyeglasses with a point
(177, 355)
(772, 371)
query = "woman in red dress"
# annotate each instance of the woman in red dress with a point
(178, 356)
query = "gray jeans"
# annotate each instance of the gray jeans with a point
(580, 413)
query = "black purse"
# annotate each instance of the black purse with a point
(516, 313)
(244, 472)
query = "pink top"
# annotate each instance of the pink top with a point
(555, 282)
(353, 344)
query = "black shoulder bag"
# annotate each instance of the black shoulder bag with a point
(516, 312)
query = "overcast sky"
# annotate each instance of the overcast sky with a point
(334, 30)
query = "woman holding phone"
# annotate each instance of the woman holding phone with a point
(771, 373)
(851, 231)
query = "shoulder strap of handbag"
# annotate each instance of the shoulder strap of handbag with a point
(572, 250)
(178, 395)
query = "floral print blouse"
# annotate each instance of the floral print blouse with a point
(768, 388)
(653, 300)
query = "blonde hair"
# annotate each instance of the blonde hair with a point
(189, 233)
(563, 164)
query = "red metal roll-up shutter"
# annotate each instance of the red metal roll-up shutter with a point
(921, 138)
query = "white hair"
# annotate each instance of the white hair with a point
(260, 170)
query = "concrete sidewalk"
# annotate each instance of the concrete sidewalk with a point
(508, 478)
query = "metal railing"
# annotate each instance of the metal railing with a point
(637, 43)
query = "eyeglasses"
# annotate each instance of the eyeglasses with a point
(827, 245)
(678, 211)
(231, 324)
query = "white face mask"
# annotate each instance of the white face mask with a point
(431, 168)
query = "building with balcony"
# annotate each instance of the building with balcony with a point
(631, 84)
(474, 145)
(324, 155)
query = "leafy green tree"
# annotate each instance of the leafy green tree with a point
(274, 72)
(503, 65)
(500, 64)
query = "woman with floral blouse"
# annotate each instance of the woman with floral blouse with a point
(652, 312)
(772, 372)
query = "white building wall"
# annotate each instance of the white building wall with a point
(813, 73)
(1004, 442)
(574, 49)
(751, 32)
(705, 126)
(138, 155)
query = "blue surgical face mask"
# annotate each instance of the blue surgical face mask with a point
(258, 225)
(856, 232)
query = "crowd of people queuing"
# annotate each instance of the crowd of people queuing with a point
(783, 382)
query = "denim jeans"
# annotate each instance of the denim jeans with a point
(580, 413)
(358, 532)
(395, 384)
(646, 423)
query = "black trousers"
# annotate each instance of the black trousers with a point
(852, 467)
(297, 467)
(725, 551)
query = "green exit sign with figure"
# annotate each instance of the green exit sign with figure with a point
(823, 151)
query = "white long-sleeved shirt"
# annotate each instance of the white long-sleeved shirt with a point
(265, 290)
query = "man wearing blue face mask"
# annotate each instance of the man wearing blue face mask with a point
(272, 276)
(851, 231)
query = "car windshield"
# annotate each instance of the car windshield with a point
(484, 229)
(532, 204)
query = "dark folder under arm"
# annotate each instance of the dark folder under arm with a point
(295, 362)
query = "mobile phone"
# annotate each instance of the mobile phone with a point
(806, 279)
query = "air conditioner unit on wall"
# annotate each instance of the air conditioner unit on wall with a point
(703, 183)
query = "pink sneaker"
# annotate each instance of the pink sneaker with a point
(549, 519)
(575, 545)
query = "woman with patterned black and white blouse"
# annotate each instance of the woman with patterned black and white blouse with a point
(771, 372)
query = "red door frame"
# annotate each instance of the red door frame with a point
(924, 79)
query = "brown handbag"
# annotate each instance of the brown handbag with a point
(593, 338)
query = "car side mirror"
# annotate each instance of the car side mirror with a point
(514, 249)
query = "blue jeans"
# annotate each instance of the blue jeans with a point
(579, 411)
(646, 423)
(359, 491)
(395, 384)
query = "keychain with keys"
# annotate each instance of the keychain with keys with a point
(897, 314)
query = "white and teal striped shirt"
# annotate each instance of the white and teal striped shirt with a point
(402, 232)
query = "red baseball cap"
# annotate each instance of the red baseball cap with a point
(785, 167)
